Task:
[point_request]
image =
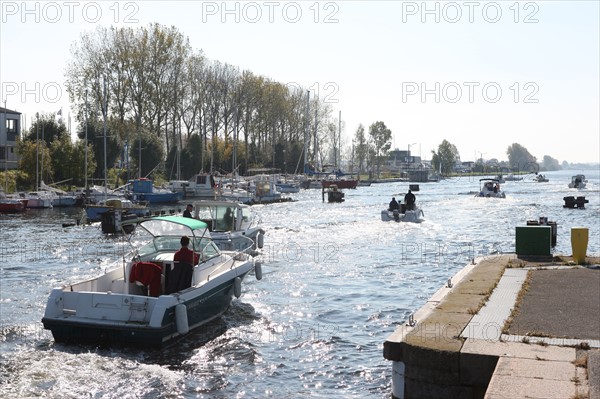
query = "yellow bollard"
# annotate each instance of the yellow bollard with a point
(579, 242)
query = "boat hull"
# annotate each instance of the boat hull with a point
(340, 183)
(94, 212)
(39, 203)
(157, 198)
(11, 206)
(64, 201)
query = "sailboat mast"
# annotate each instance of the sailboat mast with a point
(37, 150)
(104, 130)
(85, 172)
(306, 126)
(339, 160)
(5, 151)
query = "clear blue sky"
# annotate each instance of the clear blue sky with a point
(482, 75)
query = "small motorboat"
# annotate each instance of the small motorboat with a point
(151, 299)
(540, 178)
(490, 188)
(578, 181)
(414, 215)
(334, 194)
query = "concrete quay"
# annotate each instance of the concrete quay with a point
(504, 328)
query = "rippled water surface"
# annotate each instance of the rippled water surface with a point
(336, 282)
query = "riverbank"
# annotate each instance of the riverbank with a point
(503, 328)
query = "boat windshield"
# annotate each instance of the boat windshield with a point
(203, 245)
(174, 226)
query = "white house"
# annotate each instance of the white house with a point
(10, 130)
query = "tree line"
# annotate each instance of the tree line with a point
(146, 86)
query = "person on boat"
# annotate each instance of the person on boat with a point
(188, 211)
(228, 219)
(409, 200)
(394, 205)
(186, 255)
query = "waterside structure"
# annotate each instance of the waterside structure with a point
(504, 327)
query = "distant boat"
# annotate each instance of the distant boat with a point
(333, 194)
(500, 179)
(144, 190)
(512, 177)
(94, 211)
(288, 187)
(37, 199)
(490, 188)
(11, 205)
(59, 197)
(541, 178)
(202, 185)
(578, 181)
(340, 183)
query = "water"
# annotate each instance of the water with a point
(336, 282)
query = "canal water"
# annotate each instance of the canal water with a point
(336, 282)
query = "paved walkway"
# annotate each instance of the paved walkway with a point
(557, 311)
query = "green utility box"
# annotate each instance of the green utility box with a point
(533, 240)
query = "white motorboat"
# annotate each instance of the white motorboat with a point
(414, 215)
(578, 181)
(540, 178)
(231, 224)
(490, 188)
(150, 299)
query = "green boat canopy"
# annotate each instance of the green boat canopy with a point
(174, 226)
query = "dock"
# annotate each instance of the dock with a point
(503, 328)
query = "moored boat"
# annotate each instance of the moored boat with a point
(202, 185)
(36, 199)
(144, 190)
(151, 299)
(340, 183)
(94, 211)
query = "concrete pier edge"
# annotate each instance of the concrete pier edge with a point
(451, 348)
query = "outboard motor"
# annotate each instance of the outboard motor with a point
(396, 215)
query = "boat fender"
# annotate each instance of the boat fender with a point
(237, 287)
(258, 270)
(181, 319)
(260, 239)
